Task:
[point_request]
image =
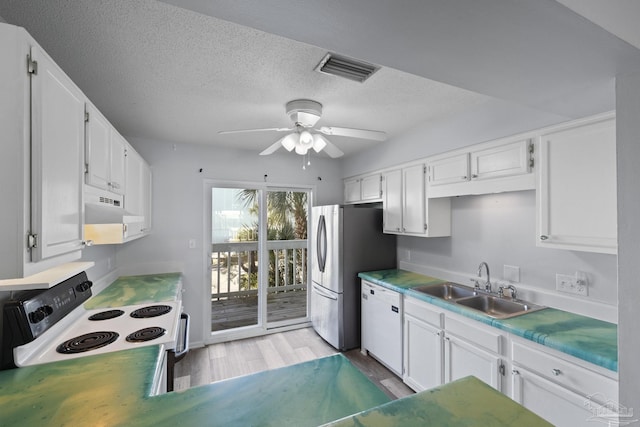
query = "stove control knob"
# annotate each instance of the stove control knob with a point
(40, 313)
(84, 286)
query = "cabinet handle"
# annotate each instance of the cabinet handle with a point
(403, 230)
(474, 176)
(515, 372)
(543, 237)
(464, 178)
(556, 372)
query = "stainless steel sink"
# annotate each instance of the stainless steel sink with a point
(447, 291)
(498, 308)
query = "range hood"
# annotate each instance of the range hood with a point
(105, 220)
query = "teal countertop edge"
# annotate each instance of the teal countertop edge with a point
(462, 403)
(589, 339)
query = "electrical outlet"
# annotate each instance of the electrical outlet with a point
(511, 273)
(571, 284)
(192, 243)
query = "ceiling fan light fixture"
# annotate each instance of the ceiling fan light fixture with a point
(306, 139)
(318, 143)
(301, 149)
(290, 141)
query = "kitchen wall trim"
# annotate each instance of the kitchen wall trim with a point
(570, 303)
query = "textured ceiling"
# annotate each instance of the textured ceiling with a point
(184, 73)
(162, 72)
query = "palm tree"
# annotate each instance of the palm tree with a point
(286, 220)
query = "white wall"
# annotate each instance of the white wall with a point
(492, 120)
(628, 143)
(178, 207)
(500, 229)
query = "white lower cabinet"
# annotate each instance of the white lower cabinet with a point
(558, 389)
(423, 345)
(471, 348)
(439, 348)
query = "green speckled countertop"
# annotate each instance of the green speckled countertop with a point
(462, 403)
(113, 389)
(589, 339)
(133, 290)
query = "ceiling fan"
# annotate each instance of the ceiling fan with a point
(304, 136)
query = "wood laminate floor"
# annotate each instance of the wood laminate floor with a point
(242, 357)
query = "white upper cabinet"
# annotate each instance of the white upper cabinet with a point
(137, 199)
(502, 161)
(576, 197)
(449, 170)
(392, 201)
(497, 166)
(364, 189)
(41, 167)
(406, 209)
(105, 153)
(57, 130)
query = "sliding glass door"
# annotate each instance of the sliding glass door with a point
(258, 259)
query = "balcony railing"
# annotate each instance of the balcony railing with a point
(235, 268)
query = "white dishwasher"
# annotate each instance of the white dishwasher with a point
(382, 325)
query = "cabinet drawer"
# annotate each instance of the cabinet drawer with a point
(424, 311)
(563, 372)
(466, 329)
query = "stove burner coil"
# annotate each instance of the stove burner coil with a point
(150, 311)
(87, 342)
(146, 334)
(106, 315)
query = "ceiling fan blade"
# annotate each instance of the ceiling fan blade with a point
(331, 150)
(354, 133)
(272, 148)
(225, 132)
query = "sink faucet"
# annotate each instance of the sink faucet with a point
(511, 288)
(487, 284)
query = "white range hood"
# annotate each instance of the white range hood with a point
(105, 220)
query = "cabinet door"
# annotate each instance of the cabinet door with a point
(413, 205)
(370, 187)
(423, 352)
(117, 156)
(463, 359)
(146, 196)
(577, 189)
(552, 402)
(97, 146)
(502, 161)
(133, 198)
(352, 191)
(449, 170)
(57, 129)
(392, 202)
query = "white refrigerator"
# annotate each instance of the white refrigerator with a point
(345, 240)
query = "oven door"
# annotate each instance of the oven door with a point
(177, 354)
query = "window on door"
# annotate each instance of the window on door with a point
(259, 254)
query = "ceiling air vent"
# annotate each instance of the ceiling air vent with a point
(348, 68)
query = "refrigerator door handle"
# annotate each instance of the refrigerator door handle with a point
(321, 249)
(324, 294)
